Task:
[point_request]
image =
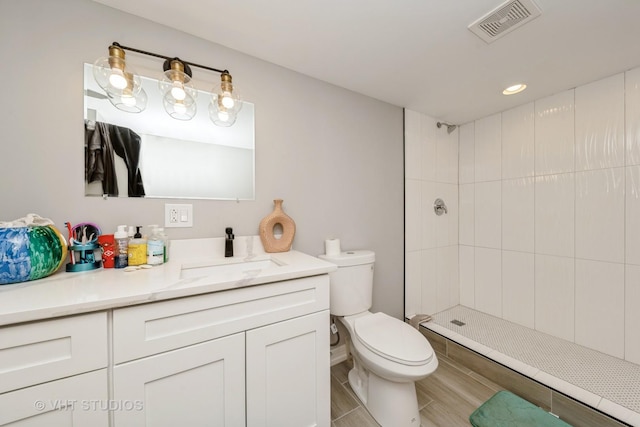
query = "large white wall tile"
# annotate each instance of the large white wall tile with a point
(554, 296)
(632, 314)
(488, 281)
(429, 154)
(600, 124)
(428, 195)
(599, 306)
(488, 149)
(429, 282)
(412, 283)
(518, 142)
(431, 245)
(554, 134)
(488, 214)
(632, 217)
(600, 215)
(412, 144)
(447, 152)
(518, 292)
(632, 116)
(447, 289)
(466, 214)
(447, 224)
(518, 214)
(466, 276)
(554, 214)
(466, 157)
(413, 215)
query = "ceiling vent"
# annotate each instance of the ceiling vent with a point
(504, 19)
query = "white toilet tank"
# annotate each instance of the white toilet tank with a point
(351, 285)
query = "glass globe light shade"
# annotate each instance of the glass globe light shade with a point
(226, 95)
(176, 83)
(114, 76)
(179, 109)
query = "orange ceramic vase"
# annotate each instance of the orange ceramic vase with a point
(270, 242)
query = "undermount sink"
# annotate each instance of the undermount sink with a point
(226, 266)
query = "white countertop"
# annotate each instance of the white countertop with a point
(63, 294)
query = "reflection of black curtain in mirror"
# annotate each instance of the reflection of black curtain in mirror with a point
(101, 141)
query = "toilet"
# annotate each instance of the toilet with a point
(389, 356)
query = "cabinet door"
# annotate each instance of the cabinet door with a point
(199, 385)
(78, 401)
(288, 377)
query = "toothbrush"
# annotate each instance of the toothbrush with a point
(70, 234)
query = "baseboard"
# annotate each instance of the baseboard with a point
(338, 354)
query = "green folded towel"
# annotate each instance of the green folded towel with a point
(505, 409)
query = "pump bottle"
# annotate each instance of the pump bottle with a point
(122, 247)
(155, 247)
(138, 248)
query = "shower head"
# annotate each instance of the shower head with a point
(450, 127)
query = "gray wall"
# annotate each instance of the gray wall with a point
(334, 156)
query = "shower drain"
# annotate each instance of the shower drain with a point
(458, 322)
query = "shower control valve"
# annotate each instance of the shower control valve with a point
(439, 207)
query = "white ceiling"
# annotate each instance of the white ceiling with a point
(418, 54)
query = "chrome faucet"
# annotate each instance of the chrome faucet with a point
(228, 243)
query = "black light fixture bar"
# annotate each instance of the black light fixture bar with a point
(168, 58)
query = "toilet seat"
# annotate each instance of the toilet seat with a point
(392, 339)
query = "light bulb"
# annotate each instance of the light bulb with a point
(117, 79)
(177, 91)
(227, 100)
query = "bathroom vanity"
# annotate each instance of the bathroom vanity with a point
(240, 341)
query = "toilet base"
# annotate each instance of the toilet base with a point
(391, 404)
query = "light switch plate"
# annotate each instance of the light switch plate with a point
(178, 215)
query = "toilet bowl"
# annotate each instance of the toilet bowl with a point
(392, 348)
(388, 354)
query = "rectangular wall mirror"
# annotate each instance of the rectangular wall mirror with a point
(192, 159)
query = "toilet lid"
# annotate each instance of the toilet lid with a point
(393, 339)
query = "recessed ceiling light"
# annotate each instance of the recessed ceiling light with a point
(514, 89)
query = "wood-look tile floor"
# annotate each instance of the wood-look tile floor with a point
(446, 398)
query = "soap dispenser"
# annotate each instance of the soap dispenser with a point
(228, 243)
(138, 248)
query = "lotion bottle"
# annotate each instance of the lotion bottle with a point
(155, 247)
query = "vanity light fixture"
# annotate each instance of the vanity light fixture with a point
(512, 90)
(124, 87)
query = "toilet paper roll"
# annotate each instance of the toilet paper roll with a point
(332, 247)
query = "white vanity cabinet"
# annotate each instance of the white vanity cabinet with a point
(253, 356)
(53, 373)
(152, 348)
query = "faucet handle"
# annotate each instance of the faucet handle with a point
(229, 232)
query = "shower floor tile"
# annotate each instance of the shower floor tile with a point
(605, 382)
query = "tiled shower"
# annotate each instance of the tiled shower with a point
(543, 222)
